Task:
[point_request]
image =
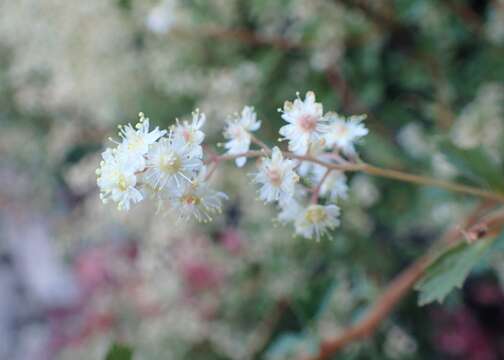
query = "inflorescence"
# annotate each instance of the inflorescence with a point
(170, 166)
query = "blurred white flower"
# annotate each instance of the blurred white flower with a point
(136, 140)
(316, 220)
(289, 211)
(190, 135)
(413, 140)
(365, 190)
(308, 168)
(161, 18)
(117, 179)
(198, 200)
(344, 132)
(335, 186)
(277, 177)
(442, 167)
(305, 123)
(398, 344)
(238, 133)
(481, 122)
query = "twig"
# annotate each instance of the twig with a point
(382, 172)
(240, 35)
(256, 141)
(396, 290)
(316, 190)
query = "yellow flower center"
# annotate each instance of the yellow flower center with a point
(122, 184)
(315, 214)
(135, 142)
(170, 164)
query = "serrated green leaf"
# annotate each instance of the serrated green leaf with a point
(119, 352)
(450, 270)
(475, 164)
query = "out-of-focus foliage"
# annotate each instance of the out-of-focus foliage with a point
(450, 270)
(429, 73)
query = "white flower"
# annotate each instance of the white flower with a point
(117, 180)
(364, 190)
(198, 200)
(335, 186)
(316, 150)
(161, 18)
(277, 177)
(343, 133)
(136, 140)
(289, 210)
(305, 123)
(316, 220)
(190, 134)
(170, 166)
(238, 133)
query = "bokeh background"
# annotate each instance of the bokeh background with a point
(77, 276)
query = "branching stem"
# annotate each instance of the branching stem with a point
(380, 172)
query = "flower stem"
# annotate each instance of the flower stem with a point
(381, 172)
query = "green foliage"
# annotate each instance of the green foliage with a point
(475, 165)
(450, 270)
(119, 351)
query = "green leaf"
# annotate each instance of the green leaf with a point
(450, 270)
(119, 352)
(475, 164)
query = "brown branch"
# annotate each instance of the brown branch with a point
(241, 35)
(397, 289)
(377, 171)
(402, 284)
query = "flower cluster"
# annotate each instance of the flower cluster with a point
(304, 182)
(317, 143)
(164, 165)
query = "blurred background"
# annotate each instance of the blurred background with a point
(80, 280)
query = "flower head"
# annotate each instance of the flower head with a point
(334, 185)
(170, 166)
(316, 220)
(190, 135)
(344, 133)
(198, 200)
(117, 179)
(277, 177)
(136, 140)
(238, 134)
(305, 123)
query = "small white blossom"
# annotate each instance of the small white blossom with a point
(161, 18)
(316, 150)
(190, 134)
(344, 133)
(316, 220)
(136, 140)
(305, 123)
(289, 210)
(335, 186)
(117, 180)
(277, 177)
(198, 200)
(238, 133)
(170, 165)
